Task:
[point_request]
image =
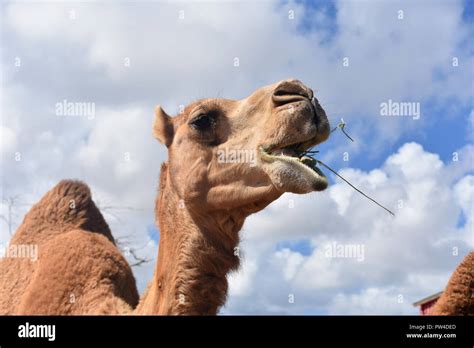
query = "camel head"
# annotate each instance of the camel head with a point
(226, 154)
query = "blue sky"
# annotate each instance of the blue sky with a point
(447, 128)
(444, 128)
(173, 62)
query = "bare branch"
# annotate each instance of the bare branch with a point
(12, 202)
(139, 260)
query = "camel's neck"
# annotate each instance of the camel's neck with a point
(194, 256)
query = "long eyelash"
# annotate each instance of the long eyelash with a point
(209, 117)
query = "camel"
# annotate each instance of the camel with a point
(78, 268)
(227, 159)
(204, 196)
(458, 297)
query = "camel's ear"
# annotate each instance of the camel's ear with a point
(163, 127)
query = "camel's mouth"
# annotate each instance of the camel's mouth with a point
(295, 159)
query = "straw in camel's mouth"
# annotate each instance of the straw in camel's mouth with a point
(295, 154)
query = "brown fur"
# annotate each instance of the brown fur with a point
(196, 253)
(79, 270)
(201, 206)
(203, 203)
(458, 297)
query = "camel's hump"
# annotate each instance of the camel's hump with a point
(68, 205)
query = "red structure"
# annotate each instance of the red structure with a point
(427, 303)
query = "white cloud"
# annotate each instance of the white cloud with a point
(416, 244)
(240, 283)
(464, 191)
(464, 194)
(8, 141)
(291, 262)
(369, 301)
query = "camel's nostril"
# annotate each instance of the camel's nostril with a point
(290, 91)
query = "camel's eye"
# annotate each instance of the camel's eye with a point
(203, 122)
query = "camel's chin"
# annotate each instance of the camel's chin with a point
(290, 174)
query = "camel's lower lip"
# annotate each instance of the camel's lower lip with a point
(307, 165)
